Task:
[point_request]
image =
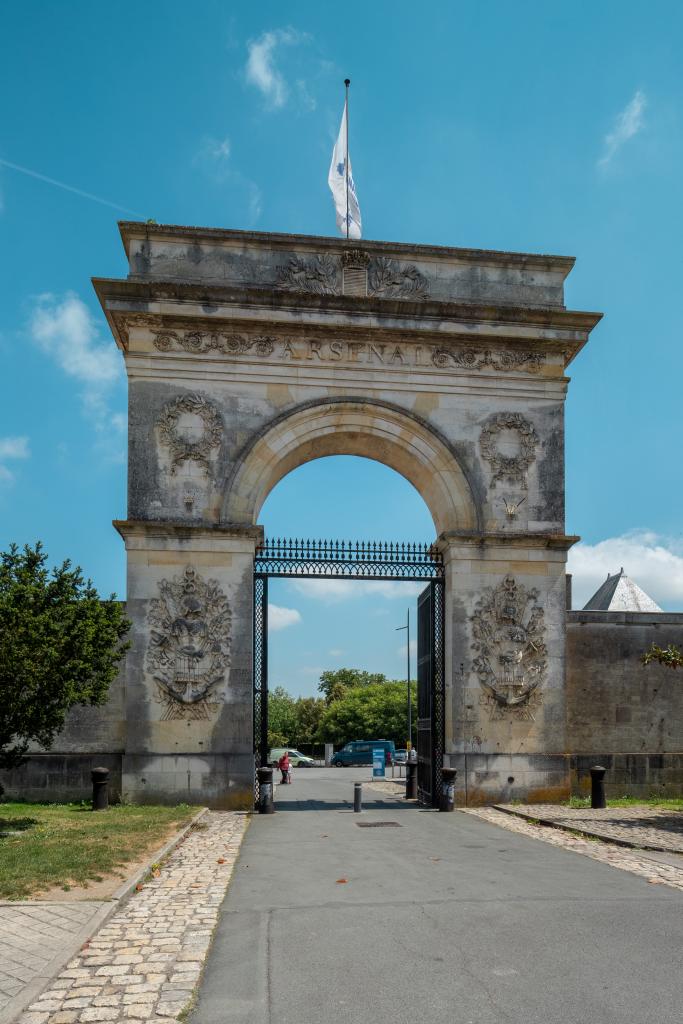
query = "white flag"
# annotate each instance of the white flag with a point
(337, 182)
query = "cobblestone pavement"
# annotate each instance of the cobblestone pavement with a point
(32, 937)
(145, 961)
(637, 863)
(640, 825)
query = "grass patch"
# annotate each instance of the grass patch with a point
(43, 845)
(670, 804)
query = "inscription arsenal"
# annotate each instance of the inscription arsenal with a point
(377, 353)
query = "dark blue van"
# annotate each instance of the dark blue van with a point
(360, 752)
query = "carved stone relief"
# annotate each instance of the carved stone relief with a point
(212, 341)
(319, 275)
(201, 342)
(509, 467)
(510, 653)
(355, 258)
(390, 279)
(181, 447)
(189, 647)
(479, 360)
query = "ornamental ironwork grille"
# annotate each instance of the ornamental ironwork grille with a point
(362, 560)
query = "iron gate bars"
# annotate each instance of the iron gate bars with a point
(362, 560)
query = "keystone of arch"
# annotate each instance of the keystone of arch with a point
(376, 430)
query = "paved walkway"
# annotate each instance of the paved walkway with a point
(144, 962)
(434, 918)
(33, 938)
(653, 828)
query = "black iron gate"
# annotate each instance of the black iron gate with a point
(430, 692)
(361, 561)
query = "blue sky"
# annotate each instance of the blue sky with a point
(527, 126)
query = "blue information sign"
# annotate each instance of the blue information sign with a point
(378, 762)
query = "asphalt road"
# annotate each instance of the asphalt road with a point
(442, 919)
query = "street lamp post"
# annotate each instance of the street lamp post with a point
(410, 709)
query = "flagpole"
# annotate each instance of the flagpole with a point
(347, 83)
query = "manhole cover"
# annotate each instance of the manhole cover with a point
(378, 824)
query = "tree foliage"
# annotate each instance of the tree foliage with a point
(335, 683)
(369, 712)
(670, 656)
(60, 645)
(281, 718)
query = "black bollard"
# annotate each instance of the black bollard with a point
(357, 797)
(100, 789)
(598, 786)
(411, 780)
(447, 801)
(265, 790)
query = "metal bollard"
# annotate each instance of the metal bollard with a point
(100, 789)
(411, 780)
(447, 801)
(598, 786)
(357, 797)
(265, 790)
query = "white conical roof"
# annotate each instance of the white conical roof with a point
(620, 594)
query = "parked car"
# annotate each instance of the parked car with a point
(401, 757)
(360, 752)
(296, 758)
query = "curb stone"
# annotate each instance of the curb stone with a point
(585, 833)
(33, 989)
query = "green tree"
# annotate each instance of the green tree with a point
(369, 712)
(60, 645)
(281, 718)
(309, 713)
(335, 683)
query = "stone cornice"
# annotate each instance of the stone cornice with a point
(185, 531)
(316, 243)
(368, 317)
(542, 540)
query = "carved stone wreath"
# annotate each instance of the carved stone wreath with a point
(508, 630)
(189, 646)
(319, 275)
(509, 467)
(182, 448)
(392, 280)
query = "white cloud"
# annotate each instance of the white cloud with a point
(14, 448)
(627, 124)
(280, 618)
(262, 71)
(336, 652)
(332, 590)
(652, 561)
(64, 328)
(11, 448)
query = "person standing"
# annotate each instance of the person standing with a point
(283, 765)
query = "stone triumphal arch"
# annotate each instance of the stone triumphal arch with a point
(249, 354)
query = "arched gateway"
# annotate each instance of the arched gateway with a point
(249, 354)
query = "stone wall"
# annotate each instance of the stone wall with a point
(92, 737)
(621, 713)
